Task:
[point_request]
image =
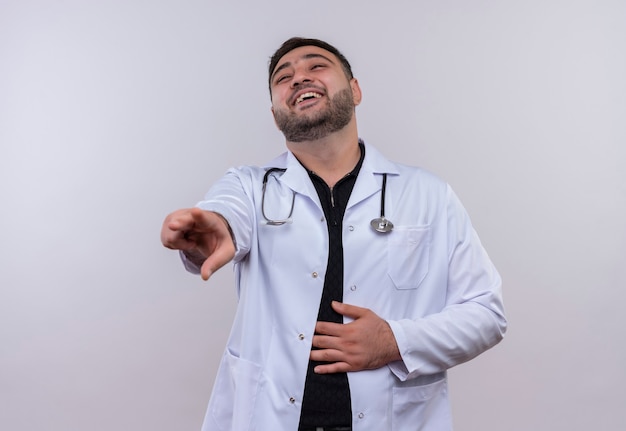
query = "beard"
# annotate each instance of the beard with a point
(335, 116)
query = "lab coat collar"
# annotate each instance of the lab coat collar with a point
(368, 182)
(295, 177)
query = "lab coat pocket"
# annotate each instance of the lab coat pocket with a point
(408, 250)
(422, 408)
(235, 392)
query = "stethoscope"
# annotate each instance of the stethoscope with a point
(379, 224)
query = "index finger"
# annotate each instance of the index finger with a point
(193, 220)
(348, 310)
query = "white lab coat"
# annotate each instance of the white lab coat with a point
(430, 278)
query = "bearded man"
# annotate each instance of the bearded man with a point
(345, 320)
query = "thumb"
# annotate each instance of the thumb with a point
(224, 253)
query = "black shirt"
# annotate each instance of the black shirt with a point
(326, 400)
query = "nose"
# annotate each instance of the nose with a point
(300, 77)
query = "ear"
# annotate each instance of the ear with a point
(356, 91)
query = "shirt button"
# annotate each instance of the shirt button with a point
(301, 336)
(361, 415)
(292, 400)
(314, 275)
(353, 288)
(350, 228)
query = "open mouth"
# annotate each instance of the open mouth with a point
(307, 96)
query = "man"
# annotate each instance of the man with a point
(345, 320)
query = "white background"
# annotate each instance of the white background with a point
(114, 113)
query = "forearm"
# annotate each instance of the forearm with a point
(440, 341)
(228, 199)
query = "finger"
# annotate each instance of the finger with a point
(191, 221)
(206, 220)
(180, 220)
(200, 217)
(326, 355)
(326, 342)
(180, 224)
(173, 230)
(335, 367)
(348, 310)
(328, 328)
(178, 242)
(211, 265)
(223, 254)
(175, 238)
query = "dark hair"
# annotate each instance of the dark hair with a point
(297, 42)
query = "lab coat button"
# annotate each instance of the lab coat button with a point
(292, 400)
(301, 336)
(314, 275)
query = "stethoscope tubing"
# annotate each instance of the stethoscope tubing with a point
(379, 224)
(272, 222)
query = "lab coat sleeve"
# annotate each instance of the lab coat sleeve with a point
(472, 320)
(231, 197)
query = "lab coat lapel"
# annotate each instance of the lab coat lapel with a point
(369, 180)
(295, 177)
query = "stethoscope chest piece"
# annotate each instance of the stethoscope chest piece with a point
(381, 224)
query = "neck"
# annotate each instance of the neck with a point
(331, 157)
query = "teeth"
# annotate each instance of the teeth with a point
(308, 95)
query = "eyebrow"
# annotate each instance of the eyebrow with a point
(304, 57)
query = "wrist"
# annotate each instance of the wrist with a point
(230, 231)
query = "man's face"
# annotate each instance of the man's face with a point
(311, 94)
